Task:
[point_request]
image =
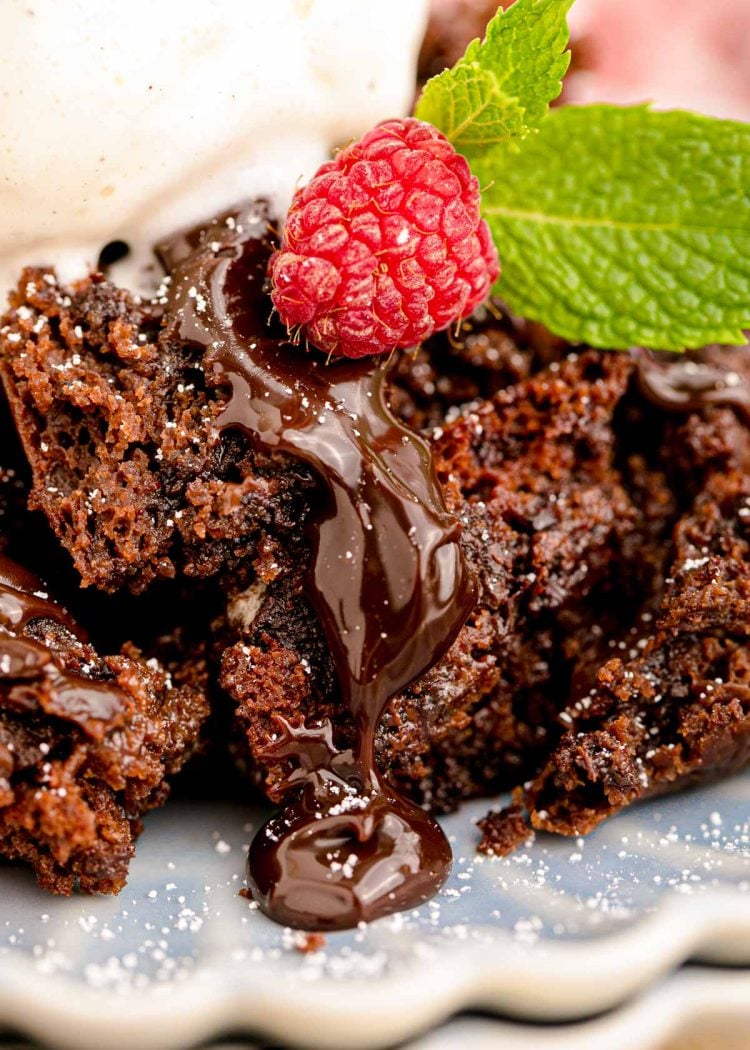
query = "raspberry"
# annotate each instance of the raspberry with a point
(385, 245)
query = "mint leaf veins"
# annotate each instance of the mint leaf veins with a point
(621, 226)
(616, 226)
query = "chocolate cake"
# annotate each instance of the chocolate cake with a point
(493, 559)
(674, 707)
(86, 742)
(601, 497)
(533, 476)
(533, 514)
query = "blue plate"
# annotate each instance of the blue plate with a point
(559, 930)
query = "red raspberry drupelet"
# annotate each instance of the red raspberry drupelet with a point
(385, 245)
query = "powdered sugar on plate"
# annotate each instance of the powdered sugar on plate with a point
(182, 913)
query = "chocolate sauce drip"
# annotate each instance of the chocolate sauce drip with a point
(387, 580)
(92, 705)
(690, 382)
(23, 598)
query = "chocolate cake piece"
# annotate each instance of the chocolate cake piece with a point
(86, 742)
(674, 707)
(117, 425)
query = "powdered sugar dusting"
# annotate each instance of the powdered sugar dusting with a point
(182, 913)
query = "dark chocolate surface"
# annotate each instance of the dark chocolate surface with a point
(692, 382)
(91, 704)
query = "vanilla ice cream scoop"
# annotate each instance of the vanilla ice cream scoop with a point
(125, 121)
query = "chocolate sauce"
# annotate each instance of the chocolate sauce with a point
(387, 580)
(92, 705)
(690, 382)
(23, 599)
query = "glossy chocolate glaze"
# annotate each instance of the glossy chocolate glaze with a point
(23, 598)
(387, 579)
(91, 704)
(692, 381)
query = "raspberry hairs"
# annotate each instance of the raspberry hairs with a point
(385, 245)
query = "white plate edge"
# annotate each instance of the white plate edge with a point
(576, 980)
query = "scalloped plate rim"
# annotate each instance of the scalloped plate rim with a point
(585, 977)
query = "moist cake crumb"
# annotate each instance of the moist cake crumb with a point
(504, 830)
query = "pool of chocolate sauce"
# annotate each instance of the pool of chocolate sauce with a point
(386, 577)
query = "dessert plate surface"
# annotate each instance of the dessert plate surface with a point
(562, 929)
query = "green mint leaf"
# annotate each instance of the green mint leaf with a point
(501, 88)
(621, 227)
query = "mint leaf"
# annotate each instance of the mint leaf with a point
(623, 226)
(501, 88)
